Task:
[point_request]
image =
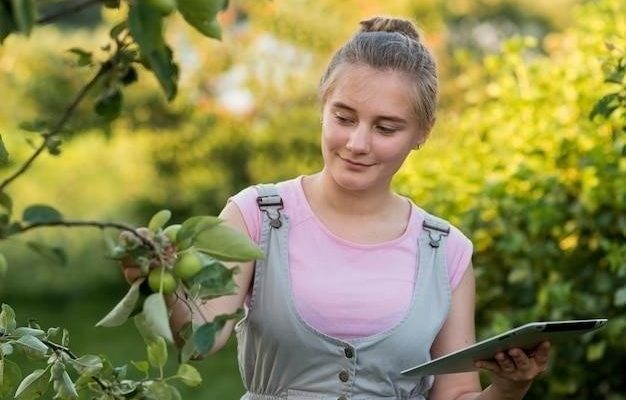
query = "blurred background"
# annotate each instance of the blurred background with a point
(528, 159)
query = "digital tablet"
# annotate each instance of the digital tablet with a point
(525, 337)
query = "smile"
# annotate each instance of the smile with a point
(355, 163)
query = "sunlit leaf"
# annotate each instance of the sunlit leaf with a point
(154, 318)
(159, 390)
(7, 319)
(227, 244)
(159, 220)
(22, 330)
(28, 342)
(61, 383)
(10, 377)
(142, 366)
(157, 352)
(123, 310)
(189, 375)
(87, 365)
(34, 386)
(201, 14)
(192, 227)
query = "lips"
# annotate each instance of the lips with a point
(357, 163)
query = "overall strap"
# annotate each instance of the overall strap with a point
(437, 228)
(270, 202)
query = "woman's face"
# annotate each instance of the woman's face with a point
(369, 127)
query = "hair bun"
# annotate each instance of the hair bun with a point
(383, 24)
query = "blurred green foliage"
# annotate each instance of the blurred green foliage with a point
(515, 160)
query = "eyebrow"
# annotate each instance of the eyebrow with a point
(338, 104)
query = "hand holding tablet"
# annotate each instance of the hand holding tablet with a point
(526, 337)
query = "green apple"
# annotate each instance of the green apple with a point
(158, 276)
(188, 265)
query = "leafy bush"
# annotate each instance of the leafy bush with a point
(534, 171)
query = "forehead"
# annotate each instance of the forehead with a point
(372, 90)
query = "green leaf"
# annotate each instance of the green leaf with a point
(10, 377)
(41, 213)
(4, 266)
(22, 331)
(24, 15)
(142, 366)
(123, 310)
(159, 390)
(227, 244)
(61, 383)
(7, 24)
(109, 104)
(6, 202)
(595, 351)
(189, 375)
(145, 23)
(53, 254)
(6, 349)
(605, 106)
(213, 281)
(7, 319)
(201, 14)
(33, 126)
(192, 227)
(32, 345)
(84, 57)
(87, 365)
(159, 220)
(154, 320)
(118, 29)
(204, 337)
(157, 352)
(4, 154)
(33, 387)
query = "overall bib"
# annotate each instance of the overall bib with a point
(281, 357)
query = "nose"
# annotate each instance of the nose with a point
(359, 140)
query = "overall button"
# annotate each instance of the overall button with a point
(344, 376)
(349, 352)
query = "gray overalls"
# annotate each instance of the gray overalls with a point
(282, 357)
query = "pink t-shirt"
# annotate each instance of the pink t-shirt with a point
(346, 289)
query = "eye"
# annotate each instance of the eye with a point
(386, 130)
(344, 120)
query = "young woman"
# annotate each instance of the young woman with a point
(358, 282)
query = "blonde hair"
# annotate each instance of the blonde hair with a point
(390, 44)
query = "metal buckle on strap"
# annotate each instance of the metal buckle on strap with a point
(267, 203)
(435, 233)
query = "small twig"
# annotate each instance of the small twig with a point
(68, 11)
(58, 347)
(195, 305)
(96, 224)
(58, 126)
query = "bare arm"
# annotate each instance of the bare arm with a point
(225, 304)
(511, 374)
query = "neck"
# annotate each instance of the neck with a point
(324, 192)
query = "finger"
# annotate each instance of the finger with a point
(506, 364)
(488, 365)
(543, 353)
(522, 362)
